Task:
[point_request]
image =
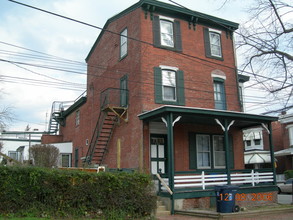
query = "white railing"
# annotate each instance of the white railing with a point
(204, 180)
(252, 177)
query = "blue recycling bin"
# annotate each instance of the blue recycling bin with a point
(225, 195)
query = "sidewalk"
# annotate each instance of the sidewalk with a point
(283, 212)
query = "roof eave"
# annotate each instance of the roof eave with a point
(164, 6)
(201, 111)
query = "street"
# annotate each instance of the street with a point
(285, 198)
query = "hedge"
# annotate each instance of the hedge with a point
(288, 174)
(36, 192)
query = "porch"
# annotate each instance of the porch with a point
(190, 169)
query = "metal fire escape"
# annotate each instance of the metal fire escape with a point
(56, 115)
(114, 104)
(58, 108)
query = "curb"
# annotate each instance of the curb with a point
(241, 214)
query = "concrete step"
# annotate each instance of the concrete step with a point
(161, 209)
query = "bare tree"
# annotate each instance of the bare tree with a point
(266, 41)
(44, 155)
(6, 116)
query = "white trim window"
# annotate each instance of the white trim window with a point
(169, 85)
(123, 43)
(203, 151)
(64, 160)
(219, 151)
(167, 33)
(215, 44)
(253, 139)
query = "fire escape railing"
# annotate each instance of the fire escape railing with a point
(114, 103)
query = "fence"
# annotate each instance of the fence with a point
(204, 180)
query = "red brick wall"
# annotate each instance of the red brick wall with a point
(181, 144)
(48, 139)
(105, 70)
(197, 73)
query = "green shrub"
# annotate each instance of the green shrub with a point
(39, 192)
(288, 174)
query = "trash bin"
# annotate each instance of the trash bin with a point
(226, 198)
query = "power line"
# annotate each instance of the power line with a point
(140, 41)
(194, 57)
(147, 83)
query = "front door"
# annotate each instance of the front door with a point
(158, 154)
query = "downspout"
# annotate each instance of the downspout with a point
(170, 143)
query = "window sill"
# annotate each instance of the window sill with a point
(122, 58)
(168, 48)
(215, 57)
(170, 103)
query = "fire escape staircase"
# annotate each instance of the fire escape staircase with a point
(57, 112)
(111, 113)
(56, 115)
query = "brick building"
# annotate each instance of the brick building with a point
(283, 142)
(163, 97)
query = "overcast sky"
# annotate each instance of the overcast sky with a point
(31, 90)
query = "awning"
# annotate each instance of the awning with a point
(256, 157)
(285, 152)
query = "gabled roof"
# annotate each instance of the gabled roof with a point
(172, 10)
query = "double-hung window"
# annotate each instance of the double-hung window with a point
(215, 41)
(219, 151)
(207, 151)
(169, 85)
(213, 45)
(123, 43)
(219, 94)
(167, 33)
(203, 151)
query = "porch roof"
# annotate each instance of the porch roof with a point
(206, 116)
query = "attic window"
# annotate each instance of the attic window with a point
(167, 33)
(213, 44)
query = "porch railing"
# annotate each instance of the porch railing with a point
(204, 180)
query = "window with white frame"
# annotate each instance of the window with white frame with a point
(77, 117)
(169, 85)
(207, 151)
(215, 44)
(253, 139)
(167, 34)
(64, 160)
(123, 43)
(203, 151)
(219, 151)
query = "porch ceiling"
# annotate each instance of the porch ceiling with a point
(206, 116)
